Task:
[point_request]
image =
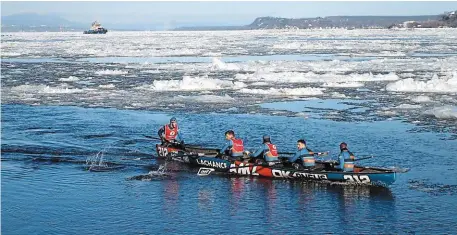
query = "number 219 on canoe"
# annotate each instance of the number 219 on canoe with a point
(357, 178)
(163, 152)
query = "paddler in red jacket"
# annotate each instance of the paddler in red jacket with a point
(267, 151)
(169, 134)
(233, 147)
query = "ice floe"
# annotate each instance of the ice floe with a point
(436, 84)
(304, 91)
(192, 84)
(220, 65)
(43, 89)
(408, 106)
(311, 77)
(444, 112)
(107, 86)
(69, 79)
(421, 99)
(343, 84)
(111, 72)
(205, 98)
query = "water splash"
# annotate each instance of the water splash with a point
(97, 162)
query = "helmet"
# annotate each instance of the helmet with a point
(343, 146)
(173, 119)
(266, 138)
(230, 132)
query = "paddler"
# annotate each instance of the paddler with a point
(304, 157)
(345, 159)
(267, 151)
(233, 147)
(169, 133)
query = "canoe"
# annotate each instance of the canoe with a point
(322, 172)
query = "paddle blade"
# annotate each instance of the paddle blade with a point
(399, 170)
(203, 171)
(322, 153)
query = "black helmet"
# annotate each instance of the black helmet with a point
(230, 132)
(266, 138)
(343, 146)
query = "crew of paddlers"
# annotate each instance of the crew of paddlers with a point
(233, 149)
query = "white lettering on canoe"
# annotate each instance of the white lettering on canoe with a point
(254, 171)
(232, 168)
(288, 174)
(244, 169)
(214, 164)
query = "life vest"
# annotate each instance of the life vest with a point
(349, 164)
(308, 161)
(170, 134)
(238, 146)
(272, 153)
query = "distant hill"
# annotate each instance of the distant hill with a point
(33, 19)
(48, 22)
(37, 22)
(335, 21)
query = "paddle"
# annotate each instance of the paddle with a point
(138, 158)
(355, 160)
(316, 153)
(152, 137)
(363, 158)
(196, 146)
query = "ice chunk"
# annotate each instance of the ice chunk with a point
(310, 77)
(206, 98)
(436, 84)
(43, 89)
(408, 106)
(220, 65)
(444, 112)
(421, 99)
(69, 79)
(304, 91)
(107, 86)
(111, 72)
(192, 84)
(343, 84)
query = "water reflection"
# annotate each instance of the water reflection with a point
(170, 197)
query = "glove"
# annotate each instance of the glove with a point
(296, 166)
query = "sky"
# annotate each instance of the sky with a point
(217, 13)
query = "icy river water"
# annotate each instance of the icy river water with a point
(68, 97)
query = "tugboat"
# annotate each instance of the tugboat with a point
(96, 29)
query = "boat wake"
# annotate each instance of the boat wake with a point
(433, 188)
(159, 174)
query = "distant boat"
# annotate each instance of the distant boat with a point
(96, 29)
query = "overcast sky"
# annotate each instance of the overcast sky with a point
(229, 13)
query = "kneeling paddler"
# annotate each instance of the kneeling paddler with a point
(233, 147)
(345, 159)
(170, 135)
(267, 152)
(304, 157)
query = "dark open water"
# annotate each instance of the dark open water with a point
(46, 197)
